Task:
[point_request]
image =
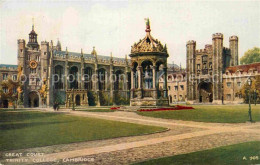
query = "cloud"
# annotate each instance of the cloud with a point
(115, 26)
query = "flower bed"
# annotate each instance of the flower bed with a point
(114, 108)
(177, 107)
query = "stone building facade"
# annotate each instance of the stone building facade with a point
(235, 78)
(205, 68)
(7, 72)
(49, 73)
(177, 88)
(53, 74)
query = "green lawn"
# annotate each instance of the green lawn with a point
(210, 113)
(34, 129)
(228, 155)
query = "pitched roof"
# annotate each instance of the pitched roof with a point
(87, 55)
(8, 66)
(244, 68)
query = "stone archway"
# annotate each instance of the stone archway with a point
(5, 103)
(205, 92)
(34, 99)
(77, 99)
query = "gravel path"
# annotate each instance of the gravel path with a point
(182, 137)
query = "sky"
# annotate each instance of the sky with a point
(114, 26)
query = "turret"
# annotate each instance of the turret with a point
(44, 58)
(217, 61)
(190, 65)
(21, 54)
(58, 46)
(217, 47)
(233, 46)
(94, 52)
(111, 58)
(191, 48)
(33, 43)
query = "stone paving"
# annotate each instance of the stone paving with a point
(182, 137)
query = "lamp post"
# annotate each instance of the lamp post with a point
(73, 106)
(249, 82)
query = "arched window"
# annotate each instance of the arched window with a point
(102, 79)
(88, 78)
(147, 74)
(73, 77)
(119, 83)
(58, 77)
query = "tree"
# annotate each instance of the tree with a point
(11, 94)
(251, 56)
(255, 87)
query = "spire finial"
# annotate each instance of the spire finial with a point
(94, 52)
(66, 49)
(33, 23)
(81, 51)
(147, 25)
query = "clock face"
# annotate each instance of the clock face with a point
(33, 64)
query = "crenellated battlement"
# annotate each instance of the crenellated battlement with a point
(20, 41)
(226, 49)
(191, 42)
(208, 46)
(233, 38)
(44, 43)
(217, 36)
(201, 51)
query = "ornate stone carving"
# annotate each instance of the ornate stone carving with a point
(148, 43)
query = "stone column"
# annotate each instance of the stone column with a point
(165, 83)
(126, 83)
(106, 81)
(154, 77)
(139, 70)
(96, 88)
(154, 83)
(95, 82)
(132, 83)
(66, 75)
(112, 84)
(132, 79)
(82, 77)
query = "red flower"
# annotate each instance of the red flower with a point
(177, 107)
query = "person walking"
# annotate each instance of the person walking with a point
(54, 106)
